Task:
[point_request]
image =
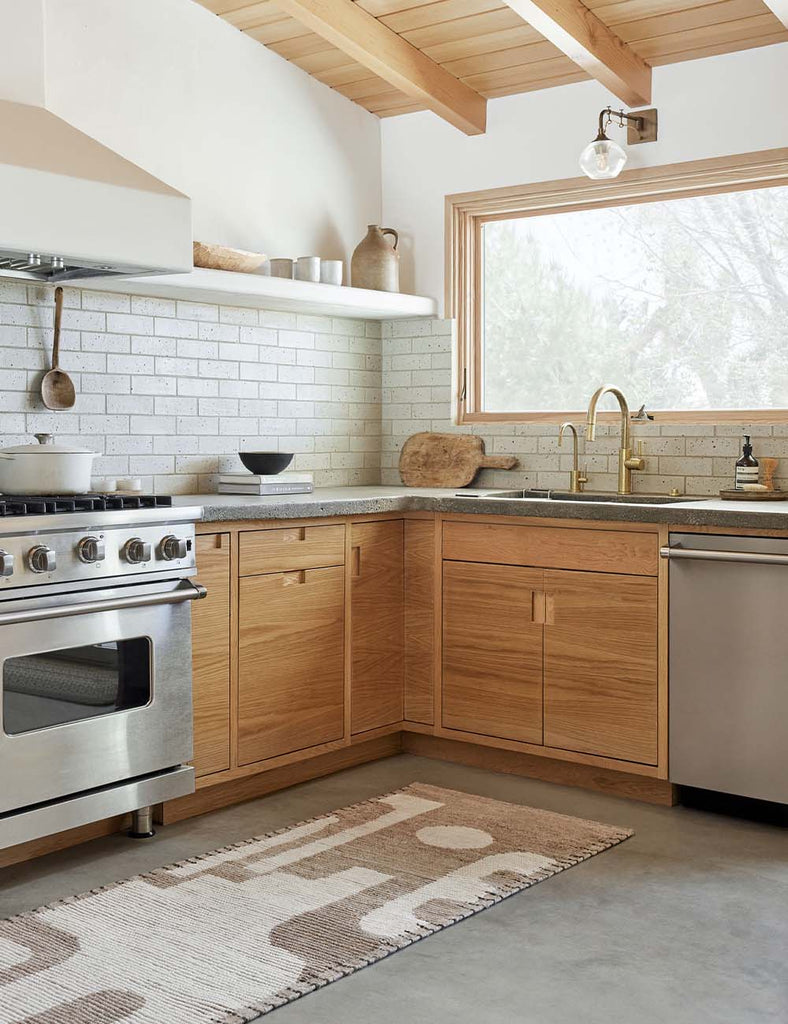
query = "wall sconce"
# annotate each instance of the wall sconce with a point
(604, 158)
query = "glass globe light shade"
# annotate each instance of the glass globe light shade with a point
(602, 158)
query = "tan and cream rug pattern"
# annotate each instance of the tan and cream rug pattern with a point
(228, 936)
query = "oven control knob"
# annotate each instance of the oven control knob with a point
(172, 548)
(42, 559)
(6, 564)
(136, 550)
(91, 549)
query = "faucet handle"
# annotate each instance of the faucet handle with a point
(635, 459)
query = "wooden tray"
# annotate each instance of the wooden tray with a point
(754, 495)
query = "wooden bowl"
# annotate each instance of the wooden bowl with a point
(219, 257)
(266, 463)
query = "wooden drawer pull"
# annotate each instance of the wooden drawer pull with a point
(289, 578)
(537, 607)
(355, 561)
(549, 609)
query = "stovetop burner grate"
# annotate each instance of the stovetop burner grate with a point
(42, 504)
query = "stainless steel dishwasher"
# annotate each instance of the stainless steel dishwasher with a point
(729, 664)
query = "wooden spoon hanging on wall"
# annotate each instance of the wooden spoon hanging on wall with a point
(57, 388)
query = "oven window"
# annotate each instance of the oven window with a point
(41, 690)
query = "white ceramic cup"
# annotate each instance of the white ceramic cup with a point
(331, 271)
(308, 268)
(282, 268)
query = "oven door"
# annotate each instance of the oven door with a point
(95, 688)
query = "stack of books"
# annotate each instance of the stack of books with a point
(256, 483)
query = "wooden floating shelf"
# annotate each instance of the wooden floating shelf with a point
(221, 287)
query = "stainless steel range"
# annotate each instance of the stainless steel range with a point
(95, 660)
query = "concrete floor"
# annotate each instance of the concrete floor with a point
(686, 923)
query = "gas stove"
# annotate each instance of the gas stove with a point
(95, 659)
(89, 538)
(36, 504)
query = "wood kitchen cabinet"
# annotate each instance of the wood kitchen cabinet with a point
(291, 661)
(600, 664)
(211, 656)
(492, 650)
(377, 673)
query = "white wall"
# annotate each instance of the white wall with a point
(272, 159)
(729, 104)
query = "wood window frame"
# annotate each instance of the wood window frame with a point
(467, 212)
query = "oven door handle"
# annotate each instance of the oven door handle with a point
(189, 592)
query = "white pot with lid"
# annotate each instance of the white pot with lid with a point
(45, 468)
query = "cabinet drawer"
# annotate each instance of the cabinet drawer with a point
(553, 547)
(294, 547)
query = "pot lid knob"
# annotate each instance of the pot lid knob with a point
(44, 438)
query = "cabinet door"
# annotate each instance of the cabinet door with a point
(601, 664)
(492, 650)
(377, 625)
(211, 656)
(291, 662)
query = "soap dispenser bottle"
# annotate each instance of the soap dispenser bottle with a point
(746, 466)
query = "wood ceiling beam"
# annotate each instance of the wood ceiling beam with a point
(780, 9)
(580, 34)
(365, 39)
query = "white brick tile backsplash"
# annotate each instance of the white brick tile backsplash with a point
(175, 328)
(238, 315)
(171, 390)
(130, 364)
(106, 302)
(197, 311)
(144, 305)
(199, 386)
(217, 332)
(694, 458)
(153, 385)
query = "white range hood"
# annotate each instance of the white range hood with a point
(69, 206)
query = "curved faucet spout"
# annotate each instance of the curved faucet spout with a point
(626, 460)
(608, 389)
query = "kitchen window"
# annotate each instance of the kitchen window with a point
(671, 283)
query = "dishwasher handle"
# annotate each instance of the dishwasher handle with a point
(700, 555)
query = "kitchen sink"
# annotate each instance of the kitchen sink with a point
(600, 496)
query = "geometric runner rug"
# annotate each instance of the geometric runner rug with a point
(228, 936)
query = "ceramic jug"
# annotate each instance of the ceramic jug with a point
(375, 262)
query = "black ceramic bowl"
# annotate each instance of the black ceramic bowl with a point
(266, 463)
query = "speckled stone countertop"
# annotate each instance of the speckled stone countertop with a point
(352, 501)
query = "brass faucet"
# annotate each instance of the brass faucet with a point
(576, 477)
(627, 461)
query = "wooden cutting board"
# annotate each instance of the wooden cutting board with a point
(446, 460)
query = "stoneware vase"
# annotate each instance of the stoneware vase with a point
(375, 262)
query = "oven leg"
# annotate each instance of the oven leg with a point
(142, 824)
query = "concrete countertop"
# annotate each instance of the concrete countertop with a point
(349, 501)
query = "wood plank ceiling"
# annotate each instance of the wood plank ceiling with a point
(492, 50)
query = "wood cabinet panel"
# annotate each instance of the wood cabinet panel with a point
(553, 547)
(296, 547)
(420, 576)
(211, 656)
(600, 661)
(492, 650)
(291, 662)
(377, 624)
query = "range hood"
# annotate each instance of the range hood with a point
(71, 207)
